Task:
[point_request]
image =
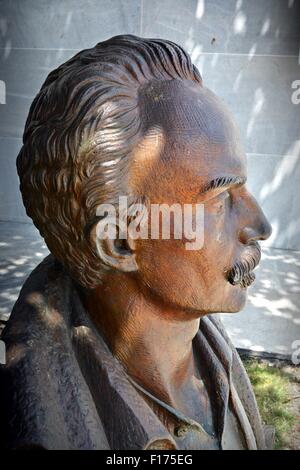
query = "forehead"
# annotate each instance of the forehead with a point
(185, 107)
(188, 132)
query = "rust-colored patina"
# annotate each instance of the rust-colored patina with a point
(111, 343)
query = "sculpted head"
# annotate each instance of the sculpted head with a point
(131, 117)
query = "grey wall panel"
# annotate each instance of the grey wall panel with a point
(275, 180)
(235, 26)
(75, 24)
(258, 92)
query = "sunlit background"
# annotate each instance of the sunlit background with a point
(247, 52)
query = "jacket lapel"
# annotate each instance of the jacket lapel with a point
(238, 386)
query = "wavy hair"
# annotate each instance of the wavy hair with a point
(78, 136)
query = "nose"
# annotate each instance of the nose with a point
(255, 225)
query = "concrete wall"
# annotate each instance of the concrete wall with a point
(247, 52)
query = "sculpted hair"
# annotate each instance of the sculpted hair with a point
(80, 131)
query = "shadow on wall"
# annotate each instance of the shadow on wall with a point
(270, 321)
(226, 26)
(22, 249)
(276, 186)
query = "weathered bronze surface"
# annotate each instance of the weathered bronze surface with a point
(111, 343)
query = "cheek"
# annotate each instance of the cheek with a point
(162, 264)
(219, 239)
(186, 278)
(163, 269)
(220, 246)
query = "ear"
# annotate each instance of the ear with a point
(115, 252)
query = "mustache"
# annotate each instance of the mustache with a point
(241, 272)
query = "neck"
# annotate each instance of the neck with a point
(147, 338)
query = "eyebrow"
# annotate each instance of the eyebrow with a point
(223, 181)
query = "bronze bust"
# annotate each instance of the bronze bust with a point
(111, 344)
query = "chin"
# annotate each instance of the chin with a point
(233, 301)
(237, 301)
